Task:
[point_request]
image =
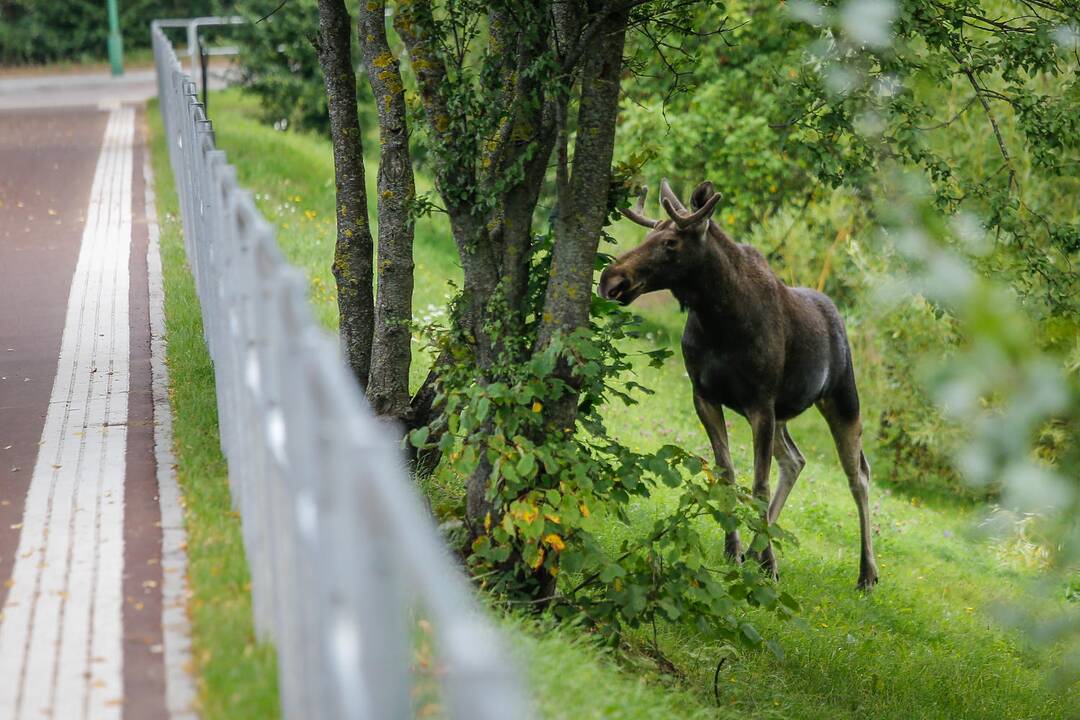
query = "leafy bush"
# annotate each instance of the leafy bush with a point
(915, 444)
(279, 64)
(280, 67)
(765, 114)
(719, 118)
(42, 32)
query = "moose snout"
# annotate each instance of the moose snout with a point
(613, 283)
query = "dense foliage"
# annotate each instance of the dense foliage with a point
(41, 32)
(280, 65)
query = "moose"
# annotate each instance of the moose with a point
(751, 343)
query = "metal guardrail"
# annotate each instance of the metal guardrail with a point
(199, 53)
(191, 32)
(347, 570)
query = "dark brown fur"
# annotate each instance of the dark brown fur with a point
(754, 345)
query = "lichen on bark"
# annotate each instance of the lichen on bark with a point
(388, 386)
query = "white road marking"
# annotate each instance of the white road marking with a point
(180, 693)
(61, 643)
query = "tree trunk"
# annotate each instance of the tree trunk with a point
(388, 385)
(583, 199)
(352, 253)
(455, 172)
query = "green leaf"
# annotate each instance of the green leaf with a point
(483, 406)
(612, 571)
(693, 464)
(419, 436)
(759, 543)
(526, 466)
(789, 602)
(672, 612)
(750, 633)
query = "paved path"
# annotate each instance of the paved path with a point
(82, 89)
(82, 563)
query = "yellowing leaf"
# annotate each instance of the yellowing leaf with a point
(555, 542)
(584, 510)
(539, 559)
(537, 406)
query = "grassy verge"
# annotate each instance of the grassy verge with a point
(237, 676)
(924, 645)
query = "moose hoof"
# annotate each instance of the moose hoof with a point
(867, 581)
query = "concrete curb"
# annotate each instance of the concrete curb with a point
(180, 695)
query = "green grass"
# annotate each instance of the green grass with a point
(925, 644)
(237, 676)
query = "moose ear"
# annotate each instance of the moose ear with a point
(701, 195)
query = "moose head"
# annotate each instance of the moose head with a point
(671, 251)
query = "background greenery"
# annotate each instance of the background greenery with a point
(44, 31)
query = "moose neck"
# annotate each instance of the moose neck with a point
(714, 289)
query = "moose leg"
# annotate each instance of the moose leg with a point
(763, 425)
(712, 417)
(791, 463)
(847, 434)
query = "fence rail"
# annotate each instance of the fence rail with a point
(345, 561)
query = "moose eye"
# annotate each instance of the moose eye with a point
(671, 243)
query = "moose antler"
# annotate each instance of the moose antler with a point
(637, 212)
(667, 194)
(684, 219)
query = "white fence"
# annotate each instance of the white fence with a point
(349, 577)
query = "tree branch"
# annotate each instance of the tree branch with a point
(993, 122)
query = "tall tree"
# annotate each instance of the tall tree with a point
(353, 250)
(388, 386)
(375, 331)
(544, 71)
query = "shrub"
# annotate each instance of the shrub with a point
(281, 68)
(915, 443)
